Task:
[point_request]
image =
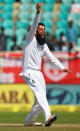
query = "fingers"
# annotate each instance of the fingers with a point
(38, 7)
(70, 71)
(40, 4)
(66, 70)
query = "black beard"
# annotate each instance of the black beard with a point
(40, 40)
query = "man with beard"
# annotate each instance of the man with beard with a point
(34, 48)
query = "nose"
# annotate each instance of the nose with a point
(43, 31)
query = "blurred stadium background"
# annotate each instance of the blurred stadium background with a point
(62, 21)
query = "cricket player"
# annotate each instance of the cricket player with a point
(34, 48)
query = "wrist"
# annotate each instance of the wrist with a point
(37, 12)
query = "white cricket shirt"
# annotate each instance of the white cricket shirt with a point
(33, 52)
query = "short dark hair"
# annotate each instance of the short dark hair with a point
(41, 24)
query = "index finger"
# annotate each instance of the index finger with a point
(70, 71)
(41, 4)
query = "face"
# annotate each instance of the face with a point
(41, 30)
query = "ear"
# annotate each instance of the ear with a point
(36, 33)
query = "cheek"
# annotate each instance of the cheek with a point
(39, 31)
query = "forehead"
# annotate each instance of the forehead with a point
(41, 26)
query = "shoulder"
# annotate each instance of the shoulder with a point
(27, 41)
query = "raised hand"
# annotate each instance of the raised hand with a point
(38, 7)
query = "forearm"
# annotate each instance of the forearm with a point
(33, 29)
(34, 26)
(55, 61)
(52, 58)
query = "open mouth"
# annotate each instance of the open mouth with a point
(42, 35)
